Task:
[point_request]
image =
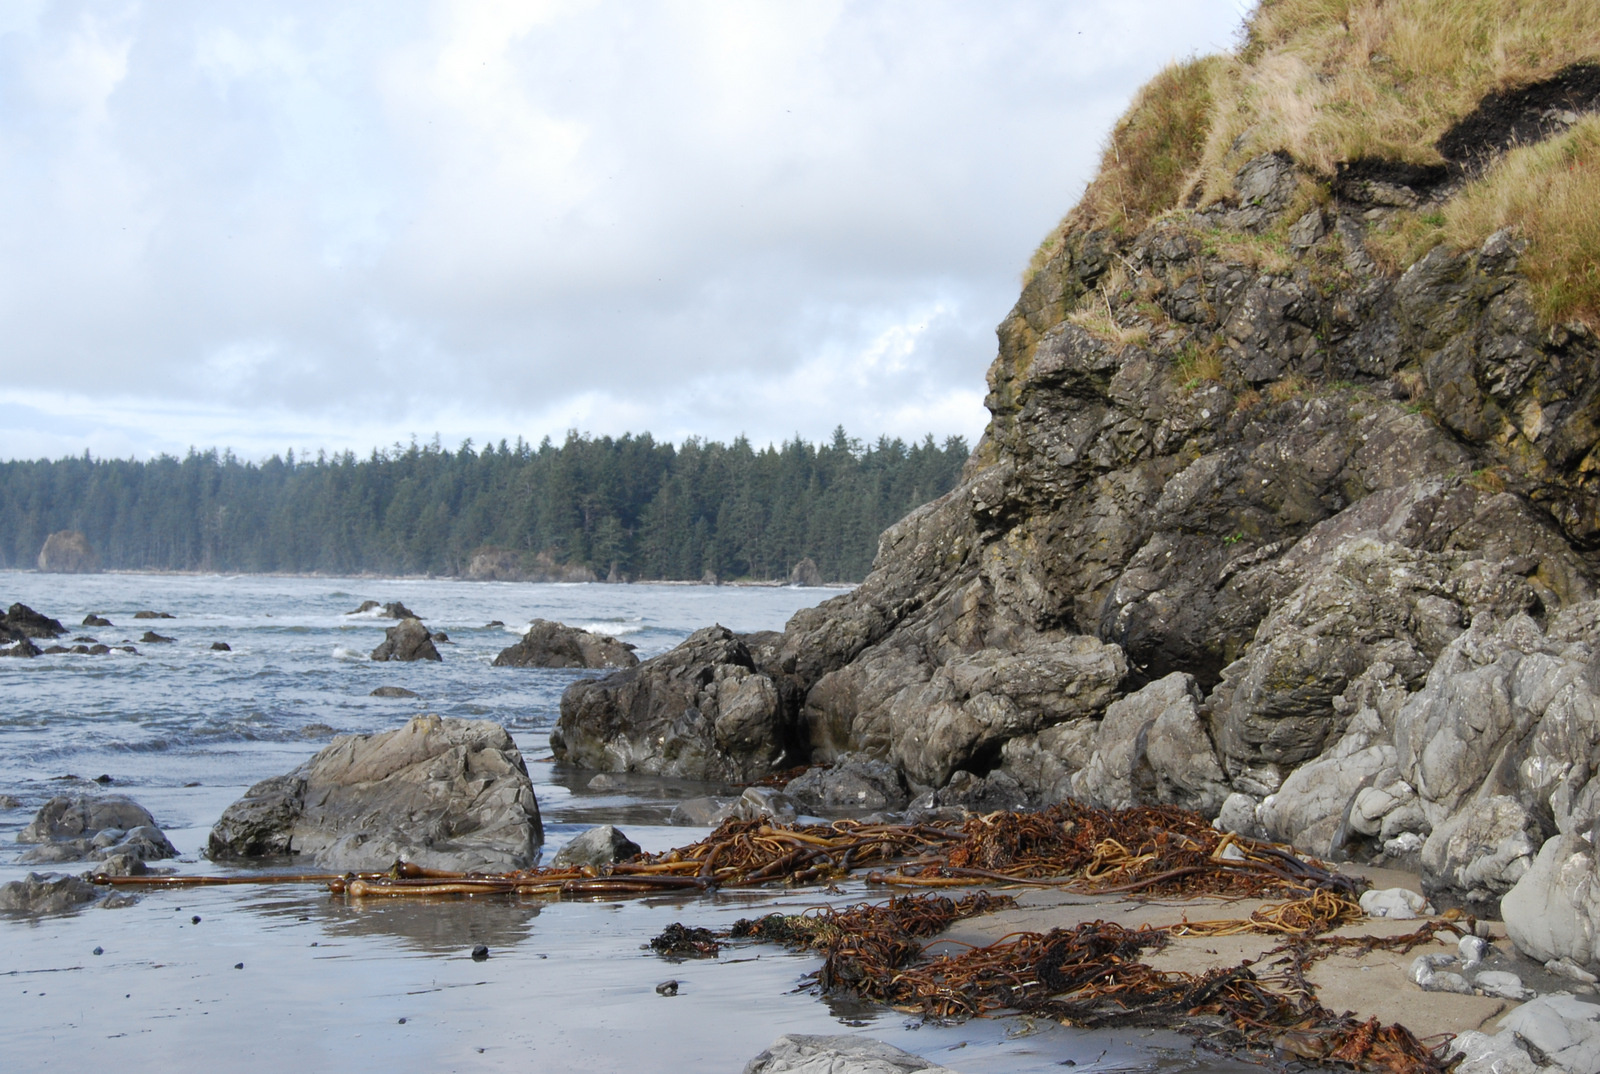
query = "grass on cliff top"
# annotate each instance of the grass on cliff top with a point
(1551, 193)
(1148, 159)
(1339, 80)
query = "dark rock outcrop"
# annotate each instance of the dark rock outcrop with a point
(147, 614)
(393, 691)
(554, 645)
(407, 640)
(93, 620)
(94, 828)
(150, 637)
(394, 609)
(21, 621)
(852, 782)
(705, 711)
(443, 793)
(68, 552)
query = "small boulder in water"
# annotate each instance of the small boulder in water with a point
(153, 615)
(22, 647)
(94, 828)
(556, 645)
(93, 620)
(393, 691)
(152, 638)
(46, 893)
(392, 610)
(603, 845)
(407, 640)
(21, 621)
(221, 647)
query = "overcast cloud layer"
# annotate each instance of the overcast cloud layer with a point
(304, 224)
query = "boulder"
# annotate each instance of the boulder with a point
(805, 573)
(221, 647)
(46, 893)
(1043, 764)
(704, 811)
(75, 828)
(703, 711)
(1151, 749)
(804, 1053)
(554, 645)
(407, 640)
(150, 637)
(393, 691)
(1553, 911)
(22, 647)
(21, 621)
(967, 792)
(1478, 854)
(68, 552)
(147, 614)
(93, 620)
(598, 846)
(444, 793)
(853, 782)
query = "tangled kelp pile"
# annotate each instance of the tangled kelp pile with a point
(1092, 975)
(1153, 850)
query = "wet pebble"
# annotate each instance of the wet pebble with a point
(402, 1021)
(480, 953)
(195, 919)
(238, 965)
(99, 950)
(667, 988)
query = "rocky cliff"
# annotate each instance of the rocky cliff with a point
(1287, 507)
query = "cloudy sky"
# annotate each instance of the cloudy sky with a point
(340, 224)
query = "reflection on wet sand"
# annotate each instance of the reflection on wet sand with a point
(436, 926)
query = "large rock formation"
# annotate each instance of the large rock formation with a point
(68, 552)
(505, 565)
(441, 792)
(1268, 515)
(555, 645)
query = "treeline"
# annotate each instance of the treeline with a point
(647, 510)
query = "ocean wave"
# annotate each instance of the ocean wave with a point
(340, 652)
(615, 629)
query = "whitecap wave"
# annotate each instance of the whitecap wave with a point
(340, 652)
(615, 629)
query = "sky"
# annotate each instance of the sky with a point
(342, 225)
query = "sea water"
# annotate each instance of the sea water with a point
(287, 977)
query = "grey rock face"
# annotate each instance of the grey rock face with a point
(553, 645)
(441, 792)
(804, 1053)
(1551, 1033)
(1553, 912)
(854, 782)
(1151, 749)
(46, 893)
(703, 711)
(406, 640)
(805, 573)
(95, 829)
(597, 846)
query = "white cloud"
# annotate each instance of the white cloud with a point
(250, 224)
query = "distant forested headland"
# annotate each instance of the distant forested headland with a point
(625, 508)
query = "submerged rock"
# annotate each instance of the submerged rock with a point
(407, 640)
(78, 828)
(804, 1053)
(393, 691)
(554, 645)
(444, 793)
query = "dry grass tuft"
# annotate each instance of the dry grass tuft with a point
(1551, 193)
(1198, 364)
(1148, 158)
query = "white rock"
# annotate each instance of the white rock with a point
(1502, 984)
(804, 1053)
(1499, 1054)
(1563, 1027)
(1565, 967)
(1472, 949)
(1399, 903)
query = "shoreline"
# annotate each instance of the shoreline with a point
(152, 572)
